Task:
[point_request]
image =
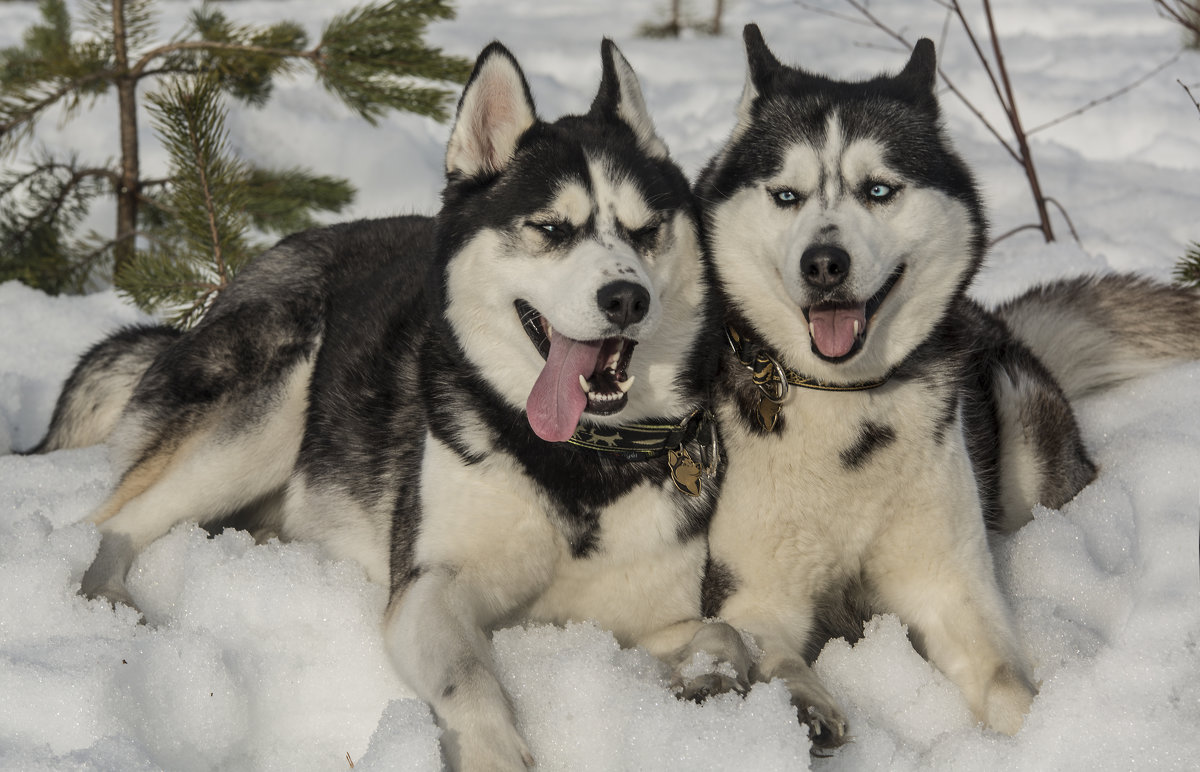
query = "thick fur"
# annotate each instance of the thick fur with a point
(364, 386)
(838, 203)
(100, 386)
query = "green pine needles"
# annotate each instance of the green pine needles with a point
(1187, 270)
(200, 242)
(179, 239)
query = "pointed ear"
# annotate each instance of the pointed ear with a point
(620, 97)
(495, 110)
(763, 64)
(919, 76)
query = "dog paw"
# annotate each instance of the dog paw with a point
(702, 687)
(826, 726)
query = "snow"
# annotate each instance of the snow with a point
(270, 656)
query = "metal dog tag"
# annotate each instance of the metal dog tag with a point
(768, 413)
(685, 472)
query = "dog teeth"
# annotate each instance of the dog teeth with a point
(583, 384)
(856, 328)
(626, 385)
(812, 330)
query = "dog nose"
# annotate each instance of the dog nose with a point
(824, 266)
(623, 302)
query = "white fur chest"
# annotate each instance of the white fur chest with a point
(800, 506)
(491, 524)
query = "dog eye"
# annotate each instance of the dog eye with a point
(644, 237)
(786, 197)
(555, 231)
(879, 192)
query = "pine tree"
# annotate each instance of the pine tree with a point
(1187, 270)
(373, 58)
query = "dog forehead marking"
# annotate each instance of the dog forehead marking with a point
(572, 202)
(864, 160)
(620, 200)
(830, 160)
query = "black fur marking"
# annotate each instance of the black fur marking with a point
(840, 613)
(585, 543)
(872, 438)
(719, 583)
(448, 692)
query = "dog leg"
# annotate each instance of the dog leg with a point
(814, 704)
(934, 570)
(678, 645)
(438, 644)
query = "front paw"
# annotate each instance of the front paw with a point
(699, 688)
(717, 660)
(826, 725)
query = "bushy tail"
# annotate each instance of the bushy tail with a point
(1095, 332)
(101, 384)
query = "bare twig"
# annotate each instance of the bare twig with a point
(1188, 91)
(1014, 118)
(1067, 217)
(949, 83)
(1108, 97)
(1027, 227)
(834, 14)
(1186, 13)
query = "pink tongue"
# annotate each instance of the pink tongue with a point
(557, 401)
(833, 328)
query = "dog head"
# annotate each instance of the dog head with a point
(841, 224)
(573, 278)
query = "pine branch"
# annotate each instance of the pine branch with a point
(362, 52)
(281, 201)
(38, 209)
(199, 248)
(1187, 270)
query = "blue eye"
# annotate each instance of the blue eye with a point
(555, 231)
(880, 192)
(786, 197)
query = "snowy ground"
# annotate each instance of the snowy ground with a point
(269, 657)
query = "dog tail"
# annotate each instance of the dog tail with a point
(100, 386)
(1094, 332)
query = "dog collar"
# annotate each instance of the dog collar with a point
(636, 442)
(773, 379)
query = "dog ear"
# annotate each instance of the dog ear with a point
(919, 76)
(762, 67)
(495, 110)
(620, 97)
(763, 64)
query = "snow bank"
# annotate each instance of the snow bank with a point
(269, 656)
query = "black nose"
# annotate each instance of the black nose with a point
(824, 266)
(623, 302)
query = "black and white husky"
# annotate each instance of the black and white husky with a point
(500, 414)
(874, 417)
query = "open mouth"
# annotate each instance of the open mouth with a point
(839, 329)
(579, 376)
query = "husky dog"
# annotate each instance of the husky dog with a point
(874, 417)
(500, 414)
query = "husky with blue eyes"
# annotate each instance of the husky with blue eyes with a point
(501, 412)
(876, 419)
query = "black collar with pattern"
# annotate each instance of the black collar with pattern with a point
(635, 442)
(773, 379)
